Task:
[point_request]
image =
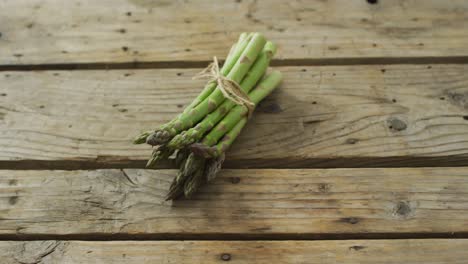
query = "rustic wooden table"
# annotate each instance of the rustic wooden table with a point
(357, 158)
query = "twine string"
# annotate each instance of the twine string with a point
(230, 89)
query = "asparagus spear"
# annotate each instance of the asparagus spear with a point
(256, 72)
(231, 59)
(190, 118)
(220, 148)
(199, 162)
(265, 87)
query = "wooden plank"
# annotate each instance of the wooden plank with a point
(88, 31)
(331, 116)
(311, 203)
(348, 251)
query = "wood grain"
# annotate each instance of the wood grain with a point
(329, 116)
(112, 31)
(350, 251)
(311, 203)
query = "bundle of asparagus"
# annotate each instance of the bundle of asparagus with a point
(198, 138)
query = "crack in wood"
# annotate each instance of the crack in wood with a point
(124, 173)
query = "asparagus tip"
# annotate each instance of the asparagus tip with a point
(140, 139)
(213, 166)
(194, 182)
(175, 191)
(158, 137)
(159, 153)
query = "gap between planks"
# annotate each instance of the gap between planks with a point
(109, 162)
(203, 63)
(231, 237)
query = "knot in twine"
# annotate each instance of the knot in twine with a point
(230, 89)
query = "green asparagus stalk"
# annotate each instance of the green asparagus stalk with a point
(253, 76)
(237, 73)
(234, 54)
(265, 87)
(220, 148)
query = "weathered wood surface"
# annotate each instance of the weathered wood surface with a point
(309, 203)
(345, 116)
(89, 31)
(349, 251)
